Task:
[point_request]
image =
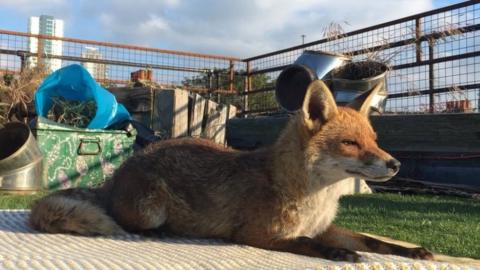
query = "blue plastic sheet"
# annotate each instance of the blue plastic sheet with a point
(73, 82)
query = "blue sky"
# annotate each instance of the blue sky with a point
(237, 28)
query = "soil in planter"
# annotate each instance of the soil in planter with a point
(359, 70)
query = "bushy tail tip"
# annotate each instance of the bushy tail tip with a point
(62, 214)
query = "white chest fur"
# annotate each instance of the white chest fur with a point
(315, 213)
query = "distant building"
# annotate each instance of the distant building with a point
(97, 70)
(49, 26)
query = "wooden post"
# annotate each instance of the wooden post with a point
(40, 47)
(215, 128)
(232, 112)
(211, 119)
(171, 113)
(180, 120)
(219, 136)
(418, 42)
(197, 114)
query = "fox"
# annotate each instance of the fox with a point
(282, 197)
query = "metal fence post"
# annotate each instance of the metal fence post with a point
(23, 59)
(232, 75)
(431, 76)
(247, 87)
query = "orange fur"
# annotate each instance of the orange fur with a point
(283, 197)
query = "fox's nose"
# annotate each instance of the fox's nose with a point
(394, 165)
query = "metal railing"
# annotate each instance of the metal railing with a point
(112, 64)
(434, 58)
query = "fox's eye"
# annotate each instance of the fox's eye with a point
(349, 143)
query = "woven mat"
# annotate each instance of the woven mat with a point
(23, 248)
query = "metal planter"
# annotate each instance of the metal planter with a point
(293, 81)
(345, 90)
(27, 178)
(20, 159)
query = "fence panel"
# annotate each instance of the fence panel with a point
(112, 64)
(433, 56)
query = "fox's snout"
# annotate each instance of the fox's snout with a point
(393, 165)
(376, 164)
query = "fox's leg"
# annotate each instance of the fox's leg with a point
(142, 215)
(343, 238)
(138, 207)
(309, 247)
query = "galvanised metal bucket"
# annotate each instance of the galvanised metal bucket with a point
(293, 81)
(345, 90)
(27, 178)
(20, 158)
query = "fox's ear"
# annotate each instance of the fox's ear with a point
(319, 105)
(363, 102)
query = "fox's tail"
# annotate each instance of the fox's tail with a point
(78, 211)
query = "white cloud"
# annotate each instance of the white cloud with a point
(38, 7)
(154, 23)
(27, 3)
(240, 28)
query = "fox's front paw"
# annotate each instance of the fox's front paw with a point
(342, 254)
(420, 253)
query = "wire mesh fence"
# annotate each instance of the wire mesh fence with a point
(113, 64)
(434, 59)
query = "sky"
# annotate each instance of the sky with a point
(228, 27)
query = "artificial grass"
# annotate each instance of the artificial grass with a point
(442, 224)
(14, 201)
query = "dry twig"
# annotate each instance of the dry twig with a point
(74, 113)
